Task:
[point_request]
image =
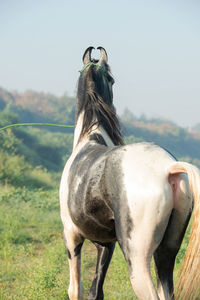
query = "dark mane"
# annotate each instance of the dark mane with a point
(95, 99)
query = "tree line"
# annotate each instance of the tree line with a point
(45, 150)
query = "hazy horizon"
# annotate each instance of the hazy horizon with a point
(153, 49)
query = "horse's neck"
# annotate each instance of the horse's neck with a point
(96, 129)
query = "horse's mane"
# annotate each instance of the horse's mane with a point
(96, 109)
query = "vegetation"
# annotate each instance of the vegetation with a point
(32, 254)
(41, 147)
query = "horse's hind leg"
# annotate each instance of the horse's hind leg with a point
(138, 251)
(105, 252)
(139, 257)
(73, 242)
(139, 233)
(166, 253)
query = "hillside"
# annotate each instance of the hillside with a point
(49, 146)
(182, 143)
(38, 107)
(33, 156)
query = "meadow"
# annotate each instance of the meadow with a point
(32, 254)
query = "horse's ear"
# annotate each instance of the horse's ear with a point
(87, 55)
(103, 57)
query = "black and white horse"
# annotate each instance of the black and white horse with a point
(138, 195)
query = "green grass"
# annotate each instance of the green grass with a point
(32, 253)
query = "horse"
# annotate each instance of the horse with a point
(138, 195)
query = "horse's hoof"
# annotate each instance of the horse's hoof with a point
(91, 296)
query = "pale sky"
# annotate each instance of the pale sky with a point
(153, 48)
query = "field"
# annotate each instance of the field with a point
(32, 254)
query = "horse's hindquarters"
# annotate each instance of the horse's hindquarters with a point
(143, 210)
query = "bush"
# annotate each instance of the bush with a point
(16, 171)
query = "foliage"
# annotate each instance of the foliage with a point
(33, 146)
(16, 171)
(14, 167)
(31, 106)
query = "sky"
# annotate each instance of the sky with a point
(153, 49)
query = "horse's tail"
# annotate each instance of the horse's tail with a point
(188, 285)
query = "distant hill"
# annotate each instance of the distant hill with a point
(31, 106)
(40, 107)
(196, 129)
(38, 147)
(179, 141)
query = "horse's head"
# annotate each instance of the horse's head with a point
(95, 96)
(96, 76)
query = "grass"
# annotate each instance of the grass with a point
(32, 254)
